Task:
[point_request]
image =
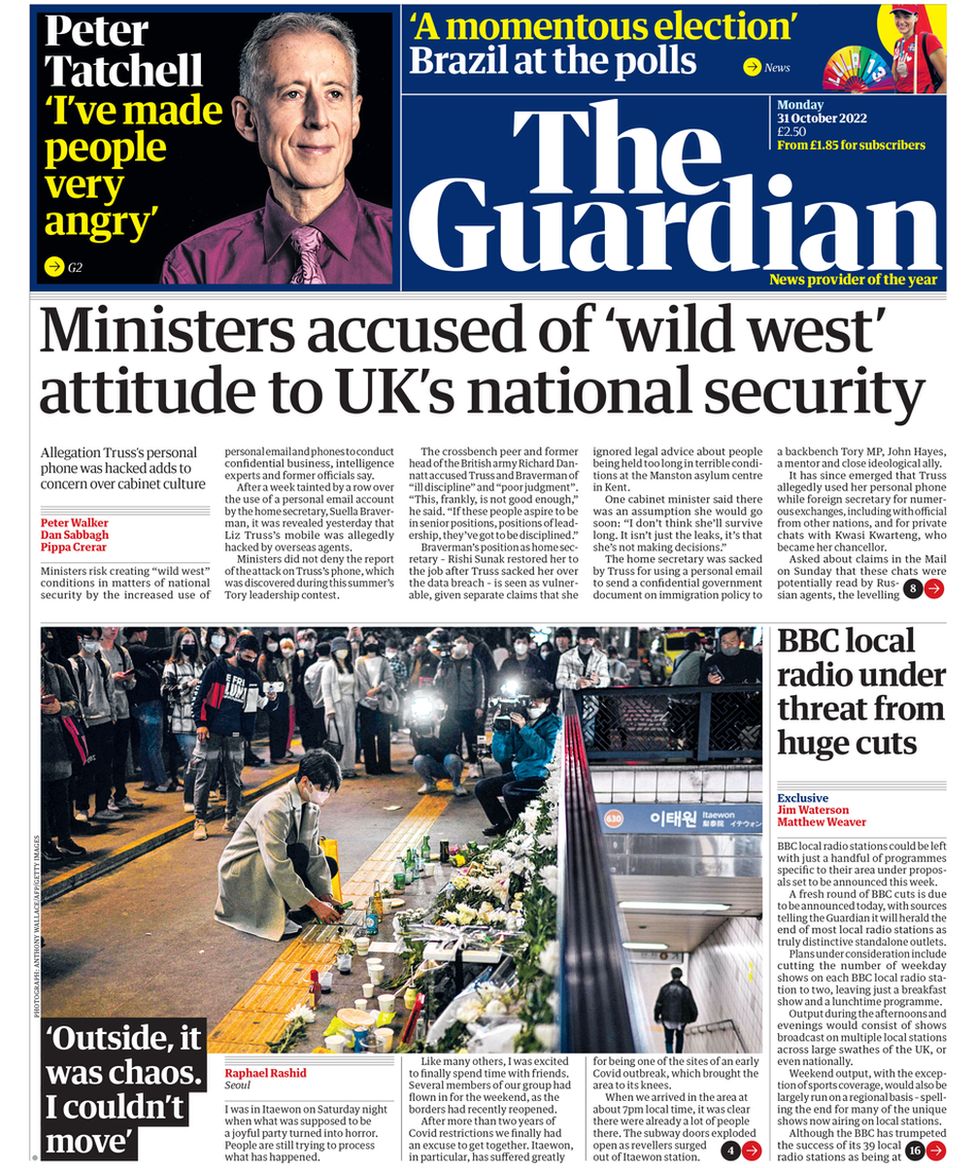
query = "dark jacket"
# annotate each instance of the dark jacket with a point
(482, 654)
(55, 758)
(524, 671)
(438, 747)
(740, 668)
(528, 750)
(271, 667)
(148, 664)
(550, 666)
(303, 661)
(227, 698)
(462, 684)
(423, 670)
(675, 1004)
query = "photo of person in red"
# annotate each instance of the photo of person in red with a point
(919, 64)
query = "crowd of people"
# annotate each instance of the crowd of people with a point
(180, 717)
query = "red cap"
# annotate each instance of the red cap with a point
(911, 9)
(313, 975)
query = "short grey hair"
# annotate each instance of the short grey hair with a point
(255, 53)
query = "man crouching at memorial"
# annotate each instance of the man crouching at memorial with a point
(273, 876)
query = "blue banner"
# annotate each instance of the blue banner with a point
(682, 818)
(647, 149)
(593, 150)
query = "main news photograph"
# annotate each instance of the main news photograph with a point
(374, 839)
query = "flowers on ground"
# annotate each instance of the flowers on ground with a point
(296, 1020)
(505, 896)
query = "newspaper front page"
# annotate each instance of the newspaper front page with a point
(498, 502)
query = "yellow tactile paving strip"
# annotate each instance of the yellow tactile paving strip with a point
(133, 848)
(259, 1016)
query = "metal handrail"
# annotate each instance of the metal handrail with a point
(711, 1027)
(600, 1007)
(696, 703)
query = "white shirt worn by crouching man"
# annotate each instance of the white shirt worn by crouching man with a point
(256, 881)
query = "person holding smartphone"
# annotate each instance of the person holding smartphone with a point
(734, 714)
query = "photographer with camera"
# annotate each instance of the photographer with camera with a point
(436, 741)
(524, 733)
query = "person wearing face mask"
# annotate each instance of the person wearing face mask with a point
(339, 702)
(93, 683)
(212, 642)
(377, 701)
(289, 667)
(731, 665)
(400, 666)
(522, 668)
(584, 667)
(736, 717)
(273, 672)
(181, 676)
(273, 876)
(217, 643)
(461, 682)
(524, 754)
(124, 678)
(302, 662)
(313, 707)
(224, 708)
(425, 658)
(562, 641)
(251, 759)
(146, 704)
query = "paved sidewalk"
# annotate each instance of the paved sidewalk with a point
(142, 940)
(160, 819)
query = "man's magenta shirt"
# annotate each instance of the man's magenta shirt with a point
(357, 247)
